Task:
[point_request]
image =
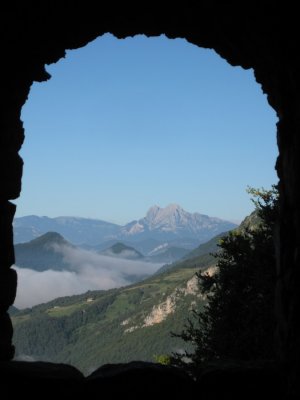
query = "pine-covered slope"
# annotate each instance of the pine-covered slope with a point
(42, 253)
(118, 325)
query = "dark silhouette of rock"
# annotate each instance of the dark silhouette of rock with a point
(259, 35)
(31, 371)
(39, 379)
(234, 381)
(139, 379)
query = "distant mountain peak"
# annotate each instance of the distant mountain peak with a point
(50, 238)
(172, 214)
(152, 212)
(174, 207)
(118, 247)
(76, 230)
(170, 208)
(122, 251)
(173, 222)
(43, 253)
(163, 224)
(53, 236)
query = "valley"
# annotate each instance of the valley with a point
(155, 290)
(118, 325)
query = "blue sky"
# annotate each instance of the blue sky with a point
(126, 124)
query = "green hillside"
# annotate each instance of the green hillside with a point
(205, 248)
(199, 258)
(41, 253)
(202, 257)
(119, 325)
(169, 255)
(121, 250)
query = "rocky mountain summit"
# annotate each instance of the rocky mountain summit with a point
(173, 222)
(172, 225)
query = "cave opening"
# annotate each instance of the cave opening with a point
(89, 141)
(260, 37)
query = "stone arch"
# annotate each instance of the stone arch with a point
(250, 35)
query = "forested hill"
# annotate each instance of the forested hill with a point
(118, 325)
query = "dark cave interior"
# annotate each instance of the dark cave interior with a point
(254, 35)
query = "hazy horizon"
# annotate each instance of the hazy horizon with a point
(122, 224)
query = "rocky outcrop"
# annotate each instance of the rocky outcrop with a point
(138, 380)
(8, 279)
(160, 312)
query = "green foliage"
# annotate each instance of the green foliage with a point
(199, 262)
(238, 321)
(267, 205)
(94, 328)
(205, 248)
(163, 359)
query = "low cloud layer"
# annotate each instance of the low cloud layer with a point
(87, 271)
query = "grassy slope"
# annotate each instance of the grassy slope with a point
(107, 326)
(89, 333)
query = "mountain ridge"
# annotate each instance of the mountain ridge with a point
(120, 250)
(109, 326)
(173, 221)
(119, 325)
(169, 224)
(77, 230)
(40, 254)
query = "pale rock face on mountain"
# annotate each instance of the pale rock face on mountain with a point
(172, 225)
(167, 219)
(136, 228)
(173, 222)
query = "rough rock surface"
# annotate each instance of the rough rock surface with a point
(259, 35)
(136, 380)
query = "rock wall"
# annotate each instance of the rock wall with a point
(253, 35)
